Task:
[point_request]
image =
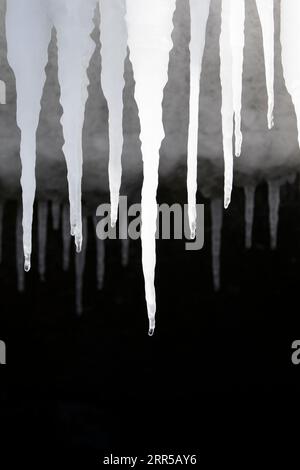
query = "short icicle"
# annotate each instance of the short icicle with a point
(249, 214)
(266, 14)
(113, 36)
(199, 12)
(28, 32)
(150, 25)
(55, 211)
(42, 237)
(217, 222)
(274, 204)
(231, 73)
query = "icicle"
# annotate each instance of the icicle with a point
(66, 237)
(249, 214)
(28, 34)
(42, 237)
(217, 221)
(274, 204)
(19, 252)
(231, 73)
(79, 269)
(290, 27)
(1, 228)
(125, 252)
(75, 47)
(199, 14)
(55, 209)
(266, 14)
(2, 92)
(150, 25)
(100, 254)
(114, 50)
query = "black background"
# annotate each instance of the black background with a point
(215, 380)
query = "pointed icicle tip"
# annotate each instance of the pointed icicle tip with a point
(27, 263)
(151, 327)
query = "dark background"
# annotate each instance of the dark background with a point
(216, 378)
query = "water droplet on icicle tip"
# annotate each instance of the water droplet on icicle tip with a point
(27, 23)
(249, 214)
(217, 222)
(150, 26)
(232, 40)
(113, 52)
(274, 205)
(151, 326)
(199, 12)
(75, 48)
(266, 14)
(66, 236)
(42, 237)
(55, 211)
(79, 268)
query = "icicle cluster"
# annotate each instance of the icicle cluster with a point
(28, 26)
(145, 26)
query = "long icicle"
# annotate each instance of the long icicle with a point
(290, 27)
(150, 25)
(75, 47)
(265, 10)
(113, 52)
(199, 11)
(249, 214)
(28, 33)
(216, 222)
(42, 237)
(231, 74)
(274, 204)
